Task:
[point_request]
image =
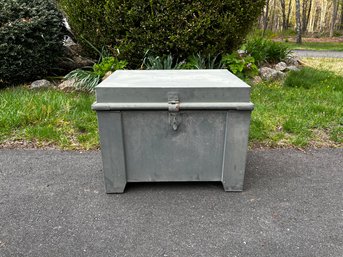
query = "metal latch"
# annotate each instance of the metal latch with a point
(173, 108)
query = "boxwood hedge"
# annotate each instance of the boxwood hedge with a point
(176, 27)
(31, 38)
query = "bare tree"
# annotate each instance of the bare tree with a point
(272, 19)
(333, 17)
(266, 17)
(315, 15)
(323, 14)
(285, 13)
(313, 19)
(306, 10)
(298, 21)
(289, 12)
(284, 16)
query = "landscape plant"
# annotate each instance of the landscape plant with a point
(179, 28)
(241, 65)
(166, 62)
(31, 39)
(199, 61)
(88, 78)
(196, 62)
(266, 51)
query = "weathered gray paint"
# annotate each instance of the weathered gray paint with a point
(201, 135)
(235, 149)
(164, 106)
(151, 86)
(155, 152)
(111, 140)
(146, 95)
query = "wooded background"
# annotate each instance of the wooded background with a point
(317, 17)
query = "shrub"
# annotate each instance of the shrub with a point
(180, 28)
(242, 66)
(31, 36)
(266, 51)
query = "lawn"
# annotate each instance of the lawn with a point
(306, 110)
(47, 118)
(328, 46)
(328, 64)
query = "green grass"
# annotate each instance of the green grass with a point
(48, 117)
(328, 46)
(329, 64)
(307, 110)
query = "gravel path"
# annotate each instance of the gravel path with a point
(53, 203)
(319, 54)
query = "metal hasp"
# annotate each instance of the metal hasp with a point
(173, 108)
(173, 125)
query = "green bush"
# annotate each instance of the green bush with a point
(31, 36)
(177, 27)
(266, 51)
(242, 66)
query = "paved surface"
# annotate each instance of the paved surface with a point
(53, 203)
(319, 54)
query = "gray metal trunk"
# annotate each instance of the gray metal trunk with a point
(173, 125)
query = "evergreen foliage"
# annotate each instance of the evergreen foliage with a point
(164, 27)
(31, 36)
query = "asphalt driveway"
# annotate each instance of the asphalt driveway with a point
(53, 203)
(318, 53)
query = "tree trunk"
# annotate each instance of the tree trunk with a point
(298, 21)
(304, 9)
(284, 16)
(334, 16)
(323, 15)
(273, 16)
(308, 15)
(316, 20)
(265, 17)
(289, 12)
(312, 18)
(341, 15)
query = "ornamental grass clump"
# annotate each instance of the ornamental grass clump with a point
(266, 51)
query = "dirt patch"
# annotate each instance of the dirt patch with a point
(23, 144)
(322, 140)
